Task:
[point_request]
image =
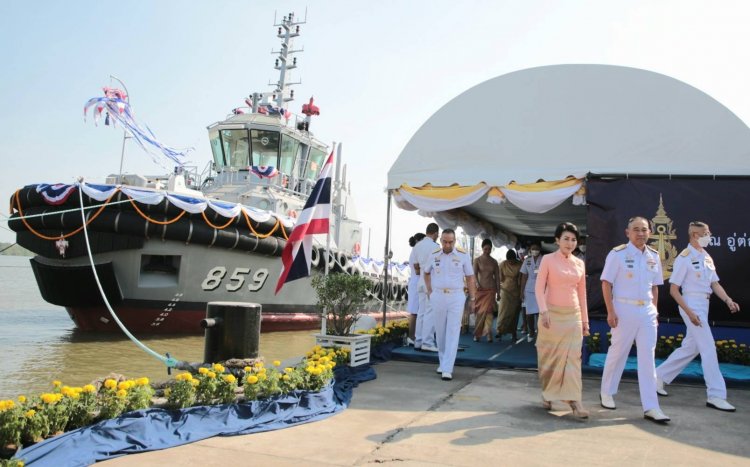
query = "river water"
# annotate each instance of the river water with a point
(39, 343)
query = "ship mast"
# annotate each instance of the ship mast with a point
(287, 30)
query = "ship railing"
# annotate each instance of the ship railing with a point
(295, 121)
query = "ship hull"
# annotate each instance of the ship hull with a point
(163, 287)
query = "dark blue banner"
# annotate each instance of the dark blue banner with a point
(670, 205)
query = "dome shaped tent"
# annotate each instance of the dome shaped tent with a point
(503, 158)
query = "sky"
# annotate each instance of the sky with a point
(378, 71)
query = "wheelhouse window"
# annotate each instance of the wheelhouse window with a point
(289, 147)
(236, 148)
(314, 163)
(265, 147)
(216, 148)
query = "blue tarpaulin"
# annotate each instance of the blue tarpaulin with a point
(154, 429)
(730, 371)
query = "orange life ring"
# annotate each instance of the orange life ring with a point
(357, 248)
(291, 213)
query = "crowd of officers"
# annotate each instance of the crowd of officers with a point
(445, 284)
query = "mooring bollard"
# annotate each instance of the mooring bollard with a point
(232, 331)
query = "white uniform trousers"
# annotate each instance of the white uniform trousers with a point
(635, 323)
(698, 340)
(424, 334)
(448, 308)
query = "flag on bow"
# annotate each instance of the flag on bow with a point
(312, 220)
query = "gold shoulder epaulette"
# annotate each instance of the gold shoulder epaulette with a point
(685, 252)
(436, 250)
(460, 249)
(652, 248)
(620, 247)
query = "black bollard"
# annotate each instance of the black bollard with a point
(232, 331)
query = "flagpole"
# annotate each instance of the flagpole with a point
(323, 320)
(124, 133)
(386, 260)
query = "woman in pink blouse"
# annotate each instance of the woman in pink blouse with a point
(563, 321)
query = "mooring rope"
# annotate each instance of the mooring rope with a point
(168, 361)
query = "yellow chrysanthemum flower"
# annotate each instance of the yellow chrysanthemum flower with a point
(89, 388)
(288, 369)
(110, 384)
(122, 393)
(123, 386)
(142, 381)
(203, 370)
(218, 368)
(247, 369)
(22, 399)
(252, 379)
(229, 378)
(48, 398)
(56, 383)
(167, 392)
(211, 374)
(194, 382)
(276, 363)
(30, 413)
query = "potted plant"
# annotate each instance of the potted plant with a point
(341, 297)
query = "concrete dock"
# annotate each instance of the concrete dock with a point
(408, 416)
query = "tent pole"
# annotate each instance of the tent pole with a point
(387, 258)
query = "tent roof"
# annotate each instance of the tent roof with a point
(553, 121)
(557, 121)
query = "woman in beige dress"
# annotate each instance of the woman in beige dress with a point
(563, 321)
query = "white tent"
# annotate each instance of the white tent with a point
(507, 150)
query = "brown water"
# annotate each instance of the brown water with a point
(39, 343)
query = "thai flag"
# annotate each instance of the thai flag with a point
(312, 220)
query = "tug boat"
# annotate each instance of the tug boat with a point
(165, 246)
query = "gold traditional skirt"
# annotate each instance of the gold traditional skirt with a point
(559, 354)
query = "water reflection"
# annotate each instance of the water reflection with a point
(39, 343)
(77, 358)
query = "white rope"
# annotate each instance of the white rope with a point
(169, 361)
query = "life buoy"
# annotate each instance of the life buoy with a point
(357, 249)
(291, 213)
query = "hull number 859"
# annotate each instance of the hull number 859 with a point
(235, 282)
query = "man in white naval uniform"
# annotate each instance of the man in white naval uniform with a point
(444, 279)
(694, 271)
(630, 278)
(424, 336)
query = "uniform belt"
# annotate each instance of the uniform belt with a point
(698, 294)
(631, 301)
(450, 290)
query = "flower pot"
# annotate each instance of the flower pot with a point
(358, 345)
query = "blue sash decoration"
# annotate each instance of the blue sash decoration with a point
(55, 194)
(118, 110)
(264, 171)
(154, 429)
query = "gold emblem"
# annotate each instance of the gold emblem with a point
(661, 239)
